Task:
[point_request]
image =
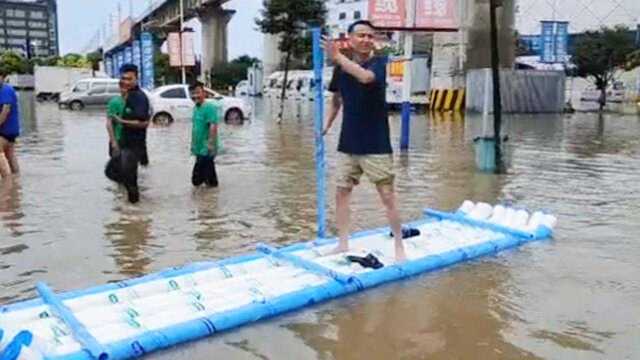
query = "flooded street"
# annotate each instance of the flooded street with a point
(574, 297)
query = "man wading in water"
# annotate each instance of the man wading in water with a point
(364, 147)
(135, 120)
(204, 138)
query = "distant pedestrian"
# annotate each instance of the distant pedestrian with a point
(204, 138)
(9, 127)
(359, 85)
(135, 121)
(602, 100)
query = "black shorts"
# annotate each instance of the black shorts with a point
(9, 138)
(204, 171)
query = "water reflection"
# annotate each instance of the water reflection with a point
(27, 106)
(130, 234)
(11, 214)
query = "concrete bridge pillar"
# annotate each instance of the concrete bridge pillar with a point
(455, 53)
(214, 22)
(272, 57)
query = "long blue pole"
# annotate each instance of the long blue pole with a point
(406, 80)
(318, 65)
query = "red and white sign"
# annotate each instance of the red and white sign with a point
(387, 13)
(173, 45)
(188, 54)
(436, 14)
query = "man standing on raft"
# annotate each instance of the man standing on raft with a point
(360, 86)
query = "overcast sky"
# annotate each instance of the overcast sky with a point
(80, 19)
(77, 27)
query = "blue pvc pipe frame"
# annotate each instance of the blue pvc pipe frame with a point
(318, 66)
(406, 125)
(337, 285)
(80, 333)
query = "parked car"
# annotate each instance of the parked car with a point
(89, 92)
(242, 88)
(615, 93)
(52, 81)
(173, 102)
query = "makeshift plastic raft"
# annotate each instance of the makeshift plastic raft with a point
(135, 317)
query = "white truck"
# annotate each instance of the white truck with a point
(21, 82)
(50, 81)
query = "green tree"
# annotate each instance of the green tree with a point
(633, 60)
(14, 63)
(229, 75)
(73, 60)
(164, 73)
(45, 61)
(599, 54)
(94, 59)
(290, 20)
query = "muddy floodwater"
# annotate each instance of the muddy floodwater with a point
(576, 296)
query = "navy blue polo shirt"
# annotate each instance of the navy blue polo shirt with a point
(8, 96)
(136, 108)
(365, 122)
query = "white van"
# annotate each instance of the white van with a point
(89, 92)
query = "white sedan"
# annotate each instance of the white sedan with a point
(173, 102)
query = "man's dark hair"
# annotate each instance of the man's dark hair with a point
(3, 71)
(352, 27)
(197, 84)
(129, 68)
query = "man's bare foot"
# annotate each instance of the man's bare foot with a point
(401, 256)
(339, 249)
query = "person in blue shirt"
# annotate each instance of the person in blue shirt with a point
(9, 126)
(359, 88)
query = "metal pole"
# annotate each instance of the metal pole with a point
(184, 71)
(406, 81)
(461, 28)
(495, 68)
(318, 65)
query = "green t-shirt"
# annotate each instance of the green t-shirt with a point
(203, 116)
(115, 107)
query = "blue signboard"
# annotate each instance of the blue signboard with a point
(116, 65)
(562, 41)
(108, 66)
(548, 42)
(120, 60)
(128, 55)
(137, 54)
(115, 72)
(554, 41)
(531, 43)
(146, 44)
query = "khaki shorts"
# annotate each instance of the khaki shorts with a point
(378, 168)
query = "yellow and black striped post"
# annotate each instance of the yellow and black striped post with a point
(447, 99)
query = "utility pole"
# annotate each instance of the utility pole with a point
(184, 71)
(406, 79)
(495, 68)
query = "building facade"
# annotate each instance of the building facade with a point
(342, 13)
(29, 27)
